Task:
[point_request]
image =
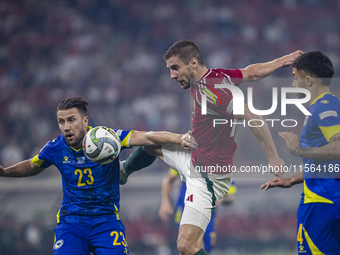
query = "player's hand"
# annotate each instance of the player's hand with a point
(292, 141)
(277, 182)
(289, 59)
(189, 142)
(165, 211)
(276, 166)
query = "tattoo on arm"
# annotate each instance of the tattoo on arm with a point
(335, 139)
(329, 151)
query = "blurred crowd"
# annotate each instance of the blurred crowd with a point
(110, 51)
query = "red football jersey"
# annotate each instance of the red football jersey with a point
(216, 145)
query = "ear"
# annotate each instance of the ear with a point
(194, 63)
(309, 81)
(86, 120)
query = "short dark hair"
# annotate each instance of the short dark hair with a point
(185, 50)
(316, 64)
(74, 102)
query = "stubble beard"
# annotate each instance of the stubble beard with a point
(78, 140)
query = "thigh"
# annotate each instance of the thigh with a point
(198, 217)
(203, 191)
(109, 238)
(70, 239)
(176, 157)
(318, 229)
(190, 236)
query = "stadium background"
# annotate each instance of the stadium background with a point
(111, 51)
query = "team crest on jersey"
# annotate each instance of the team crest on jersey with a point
(324, 101)
(66, 160)
(81, 160)
(58, 244)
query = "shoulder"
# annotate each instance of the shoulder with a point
(229, 76)
(328, 102)
(55, 143)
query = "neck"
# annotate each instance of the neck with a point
(317, 92)
(201, 71)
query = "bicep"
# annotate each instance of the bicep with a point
(33, 169)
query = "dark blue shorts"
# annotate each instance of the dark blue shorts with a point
(318, 229)
(99, 238)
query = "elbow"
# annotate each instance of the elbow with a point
(252, 74)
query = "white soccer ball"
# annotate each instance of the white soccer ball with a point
(101, 145)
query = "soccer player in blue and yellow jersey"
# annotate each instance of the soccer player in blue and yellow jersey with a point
(88, 220)
(318, 216)
(166, 209)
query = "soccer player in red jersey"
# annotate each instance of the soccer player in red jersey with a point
(206, 170)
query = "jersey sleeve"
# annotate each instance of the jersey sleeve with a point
(124, 136)
(235, 75)
(327, 118)
(45, 157)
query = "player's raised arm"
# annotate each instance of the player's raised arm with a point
(140, 138)
(264, 136)
(22, 169)
(258, 71)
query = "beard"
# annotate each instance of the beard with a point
(189, 81)
(78, 140)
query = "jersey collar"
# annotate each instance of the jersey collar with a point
(320, 96)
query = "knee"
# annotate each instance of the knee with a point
(185, 247)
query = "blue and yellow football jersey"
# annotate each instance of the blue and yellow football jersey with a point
(321, 177)
(90, 190)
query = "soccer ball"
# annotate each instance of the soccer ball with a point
(101, 145)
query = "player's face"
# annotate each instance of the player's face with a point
(180, 72)
(72, 125)
(299, 81)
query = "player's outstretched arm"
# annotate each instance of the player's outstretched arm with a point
(140, 138)
(166, 209)
(283, 182)
(264, 136)
(23, 169)
(261, 70)
(329, 151)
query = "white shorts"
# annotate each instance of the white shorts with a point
(203, 190)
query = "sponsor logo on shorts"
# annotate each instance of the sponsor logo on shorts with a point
(58, 244)
(190, 198)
